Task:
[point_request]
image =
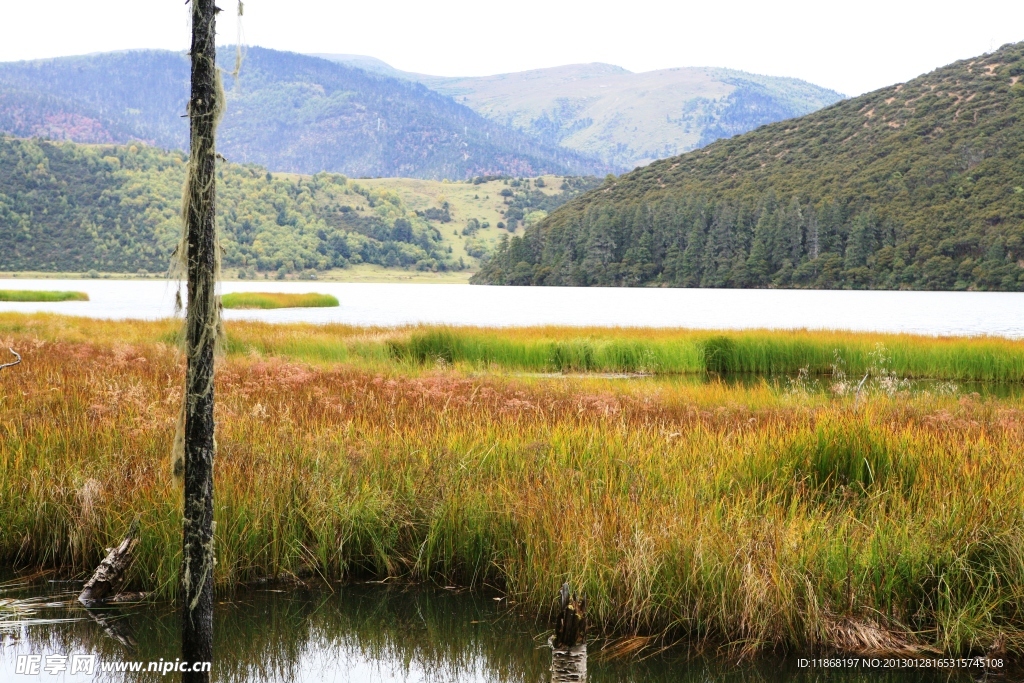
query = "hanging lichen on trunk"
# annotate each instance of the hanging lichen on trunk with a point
(203, 324)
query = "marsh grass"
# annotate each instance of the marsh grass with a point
(761, 352)
(742, 514)
(890, 360)
(268, 300)
(40, 295)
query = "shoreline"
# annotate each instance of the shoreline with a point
(359, 273)
(883, 651)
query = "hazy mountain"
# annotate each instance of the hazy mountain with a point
(625, 118)
(112, 97)
(919, 185)
(287, 111)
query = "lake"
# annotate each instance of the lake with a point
(369, 634)
(934, 313)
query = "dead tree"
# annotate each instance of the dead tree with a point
(198, 252)
(569, 644)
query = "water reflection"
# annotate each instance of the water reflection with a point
(369, 634)
(812, 384)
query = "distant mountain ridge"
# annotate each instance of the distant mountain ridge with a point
(357, 115)
(625, 118)
(919, 185)
(289, 112)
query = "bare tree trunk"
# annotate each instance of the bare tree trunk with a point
(201, 321)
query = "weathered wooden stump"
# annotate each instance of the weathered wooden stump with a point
(16, 362)
(569, 644)
(106, 581)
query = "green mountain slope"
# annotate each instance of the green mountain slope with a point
(289, 112)
(625, 118)
(919, 185)
(66, 207)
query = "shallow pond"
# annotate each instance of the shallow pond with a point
(936, 313)
(793, 384)
(364, 634)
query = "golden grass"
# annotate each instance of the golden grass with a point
(40, 295)
(268, 300)
(759, 517)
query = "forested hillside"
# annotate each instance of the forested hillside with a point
(66, 207)
(289, 112)
(916, 186)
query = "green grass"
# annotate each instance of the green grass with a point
(759, 352)
(563, 353)
(268, 300)
(40, 295)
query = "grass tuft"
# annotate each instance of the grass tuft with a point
(719, 354)
(857, 460)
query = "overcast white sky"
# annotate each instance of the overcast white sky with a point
(852, 47)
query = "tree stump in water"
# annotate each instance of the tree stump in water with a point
(569, 644)
(106, 581)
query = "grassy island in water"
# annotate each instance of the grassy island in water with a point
(40, 295)
(268, 300)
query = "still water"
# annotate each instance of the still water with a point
(369, 634)
(936, 313)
